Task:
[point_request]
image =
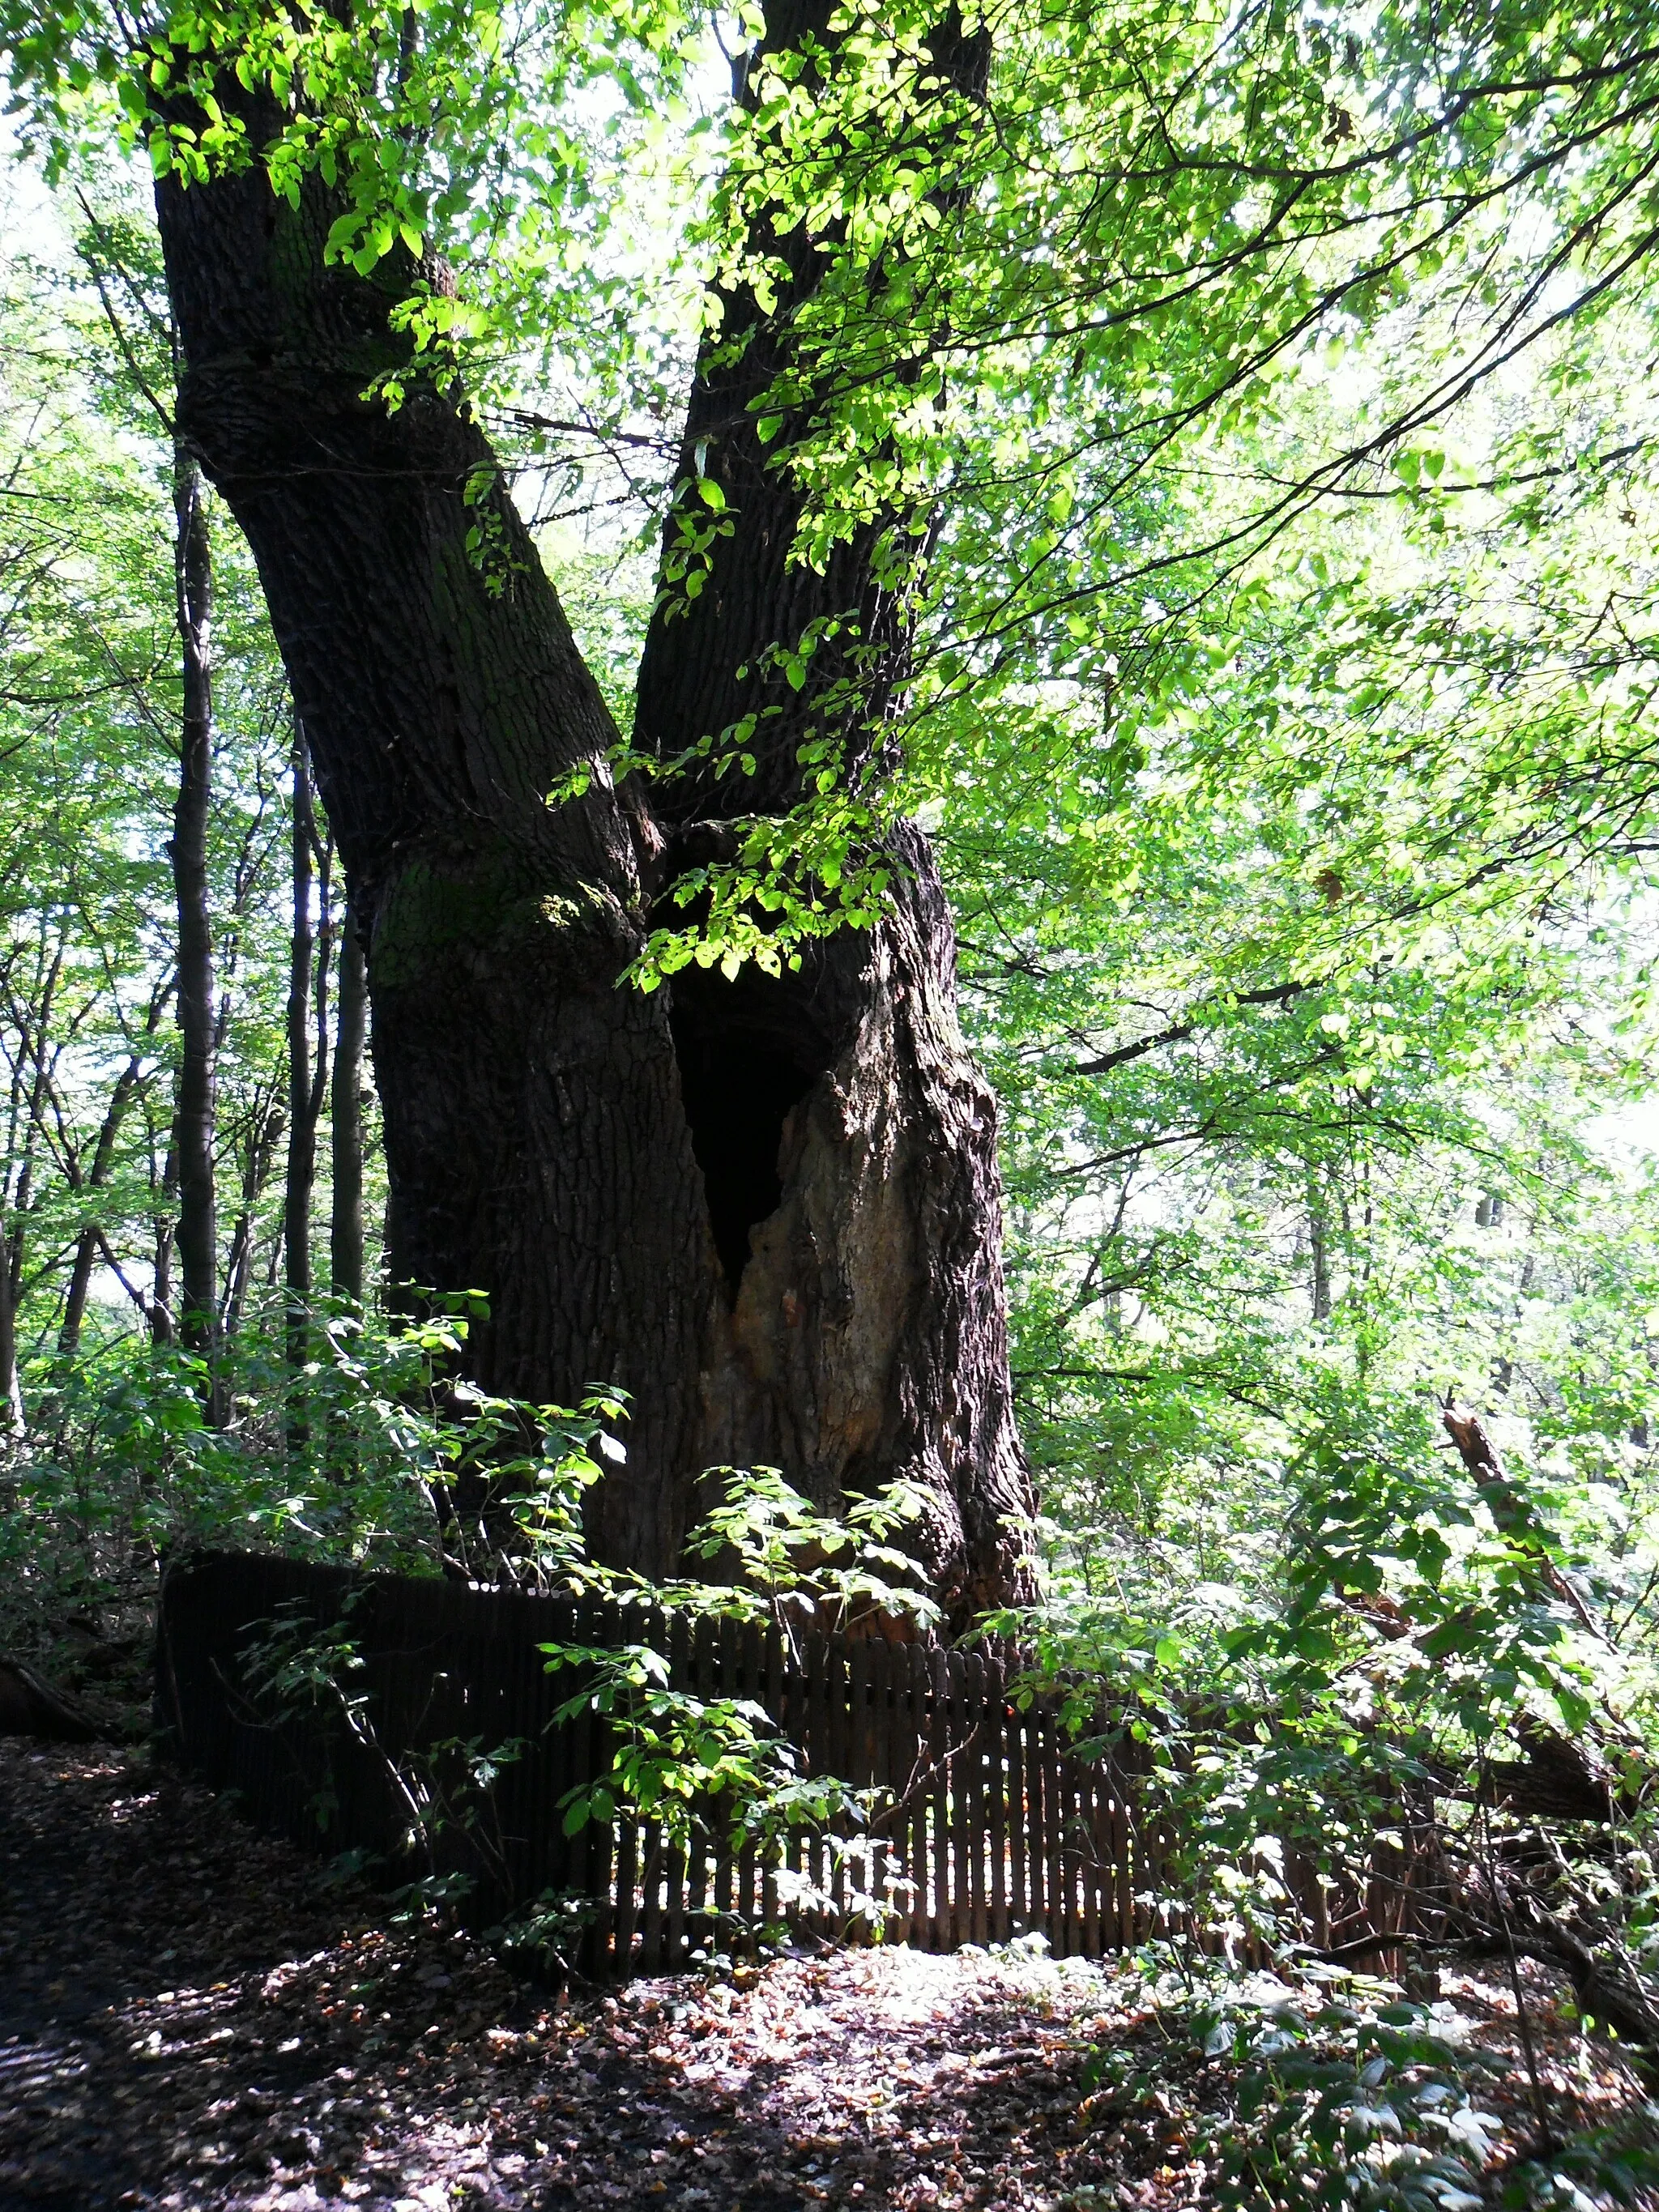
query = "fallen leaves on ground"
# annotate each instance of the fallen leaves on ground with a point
(192, 2016)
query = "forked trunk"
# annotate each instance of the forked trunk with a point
(768, 1209)
(536, 1150)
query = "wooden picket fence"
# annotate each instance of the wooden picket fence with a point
(991, 1827)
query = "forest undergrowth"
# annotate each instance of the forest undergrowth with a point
(1264, 2064)
(199, 2018)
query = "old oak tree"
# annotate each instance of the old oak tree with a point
(764, 1203)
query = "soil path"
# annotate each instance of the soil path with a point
(191, 2017)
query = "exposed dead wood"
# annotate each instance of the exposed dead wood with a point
(1560, 1777)
(31, 1705)
(1508, 1509)
(1609, 1992)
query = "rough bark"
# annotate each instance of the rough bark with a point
(847, 1144)
(346, 1118)
(198, 1240)
(535, 1147)
(707, 665)
(863, 1337)
(768, 1209)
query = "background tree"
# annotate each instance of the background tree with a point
(93, 700)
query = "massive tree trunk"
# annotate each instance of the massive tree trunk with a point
(769, 1208)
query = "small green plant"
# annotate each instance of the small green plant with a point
(1331, 2091)
(691, 1764)
(1347, 2103)
(374, 1455)
(790, 1559)
(548, 1933)
(685, 1766)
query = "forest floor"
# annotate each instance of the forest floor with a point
(192, 2016)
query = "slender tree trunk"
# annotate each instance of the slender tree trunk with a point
(1319, 1248)
(11, 1391)
(76, 1295)
(306, 1084)
(197, 1234)
(769, 1210)
(346, 1117)
(259, 1165)
(163, 1327)
(122, 1099)
(30, 1093)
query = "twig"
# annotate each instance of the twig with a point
(1524, 2018)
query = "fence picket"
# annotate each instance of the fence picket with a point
(772, 1698)
(1093, 1843)
(711, 1644)
(699, 1925)
(970, 1797)
(996, 1804)
(1053, 1794)
(680, 1872)
(1021, 1915)
(992, 1825)
(918, 1862)
(746, 1662)
(1035, 1805)
(1073, 1850)
(652, 1846)
(939, 1809)
(858, 1770)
